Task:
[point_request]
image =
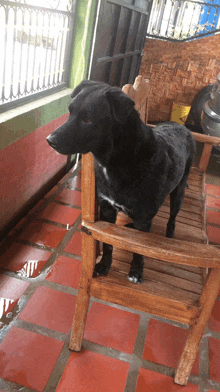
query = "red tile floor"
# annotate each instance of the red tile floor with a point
(123, 350)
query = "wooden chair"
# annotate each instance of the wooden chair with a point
(181, 275)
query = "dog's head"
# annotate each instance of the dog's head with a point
(94, 109)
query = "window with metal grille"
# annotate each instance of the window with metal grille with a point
(35, 48)
(184, 20)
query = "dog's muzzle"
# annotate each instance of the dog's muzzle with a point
(55, 145)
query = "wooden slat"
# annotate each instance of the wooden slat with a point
(184, 215)
(164, 276)
(191, 219)
(193, 203)
(195, 172)
(174, 270)
(194, 186)
(155, 246)
(184, 232)
(193, 194)
(126, 256)
(122, 261)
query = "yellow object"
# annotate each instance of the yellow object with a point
(179, 113)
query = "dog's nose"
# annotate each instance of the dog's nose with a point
(50, 140)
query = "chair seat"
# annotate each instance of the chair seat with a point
(167, 290)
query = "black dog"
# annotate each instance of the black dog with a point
(136, 167)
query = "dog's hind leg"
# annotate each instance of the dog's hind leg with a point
(176, 199)
(108, 214)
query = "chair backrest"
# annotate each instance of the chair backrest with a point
(139, 92)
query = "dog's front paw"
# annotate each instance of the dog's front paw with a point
(101, 268)
(135, 277)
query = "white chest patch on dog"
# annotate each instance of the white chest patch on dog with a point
(110, 200)
(113, 203)
(105, 173)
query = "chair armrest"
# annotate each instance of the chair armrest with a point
(200, 137)
(154, 246)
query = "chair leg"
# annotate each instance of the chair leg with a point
(208, 298)
(83, 297)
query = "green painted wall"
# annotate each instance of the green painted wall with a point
(27, 118)
(84, 25)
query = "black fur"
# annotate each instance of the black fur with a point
(136, 167)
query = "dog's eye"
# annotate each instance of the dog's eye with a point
(87, 121)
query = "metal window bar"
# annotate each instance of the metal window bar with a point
(183, 20)
(35, 49)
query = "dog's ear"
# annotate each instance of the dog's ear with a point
(121, 105)
(84, 83)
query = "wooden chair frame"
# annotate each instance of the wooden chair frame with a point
(114, 288)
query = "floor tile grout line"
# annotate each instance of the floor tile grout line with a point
(62, 203)
(72, 230)
(133, 373)
(141, 336)
(40, 330)
(106, 351)
(58, 369)
(214, 334)
(213, 209)
(9, 386)
(212, 385)
(213, 224)
(132, 377)
(59, 287)
(210, 194)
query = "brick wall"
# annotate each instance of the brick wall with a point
(177, 71)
